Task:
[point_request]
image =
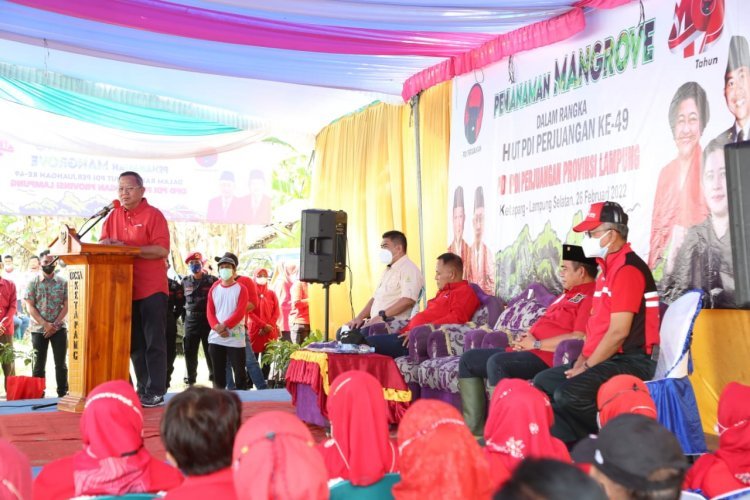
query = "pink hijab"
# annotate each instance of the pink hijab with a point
(15, 473)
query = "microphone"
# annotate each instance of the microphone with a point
(105, 210)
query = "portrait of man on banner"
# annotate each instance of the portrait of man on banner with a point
(481, 262)
(459, 246)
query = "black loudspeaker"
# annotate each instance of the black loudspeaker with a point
(323, 247)
(737, 158)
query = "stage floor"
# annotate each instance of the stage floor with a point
(46, 434)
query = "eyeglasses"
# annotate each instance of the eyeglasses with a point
(591, 234)
(127, 189)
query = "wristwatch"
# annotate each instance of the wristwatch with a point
(382, 315)
(537, 344)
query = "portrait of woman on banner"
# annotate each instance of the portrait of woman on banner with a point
(679, 202)
(705, 257)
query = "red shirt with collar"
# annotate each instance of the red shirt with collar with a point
(624, 285)
(143, 226)
(454, 303)
(8, 304)
(219, 484)
(569, 313)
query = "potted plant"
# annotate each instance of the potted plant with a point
(279, 352)
(20, 386)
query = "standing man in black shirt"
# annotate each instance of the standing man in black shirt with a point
(175, 309)
(196, 287)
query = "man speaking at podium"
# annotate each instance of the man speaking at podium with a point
(138, 224)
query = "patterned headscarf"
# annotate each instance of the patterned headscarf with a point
(275, 458)
(359, 449)
(15, 473)
(440, 459)
(518, 427)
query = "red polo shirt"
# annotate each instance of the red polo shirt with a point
(569, 313)
(8, 304)
(143, 226)
(454, 303)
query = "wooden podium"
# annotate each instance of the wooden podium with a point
(100, 288)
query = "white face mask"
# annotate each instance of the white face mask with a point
(261, 281)
(225, 273)
(592, 246)
(385, 256)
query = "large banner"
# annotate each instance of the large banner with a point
(226, 187)
(635, 110)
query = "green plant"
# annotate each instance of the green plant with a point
(279, 352)
(8, 354)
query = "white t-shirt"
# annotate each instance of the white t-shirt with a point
(225, 300)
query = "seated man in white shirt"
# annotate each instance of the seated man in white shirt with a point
(399, 287)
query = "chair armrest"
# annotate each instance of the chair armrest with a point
(474, 339)
(567, 351)
(418, 339)
(495, 340)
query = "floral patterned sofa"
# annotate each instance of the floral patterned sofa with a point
(432, 367)
(442, 338)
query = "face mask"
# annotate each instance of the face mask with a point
(48, 269)
(195, 267)
(261, 281)
(385, 256)
(592, 247)
(226, 274)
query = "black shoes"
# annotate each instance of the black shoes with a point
(149, 401)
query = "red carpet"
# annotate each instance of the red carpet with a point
(44, 437)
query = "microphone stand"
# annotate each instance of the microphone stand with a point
(80, 235)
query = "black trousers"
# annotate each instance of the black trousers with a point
(148, 344)
(59, 342)
(391, 345)
(236, 355)
(171, 344)
(497, 364)
(196, 334)
(574, 399)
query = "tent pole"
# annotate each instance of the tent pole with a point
(415, 113)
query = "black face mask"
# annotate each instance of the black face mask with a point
(48, 269)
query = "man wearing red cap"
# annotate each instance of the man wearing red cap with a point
(196, 287)
(621, 332)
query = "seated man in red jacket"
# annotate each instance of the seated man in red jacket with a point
(455, 302)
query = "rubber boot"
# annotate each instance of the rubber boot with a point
(474, 404)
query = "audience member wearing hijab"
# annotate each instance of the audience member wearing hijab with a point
(440, 459)
(114, 460)
(15, 473)
(360, 449)
(275, 458)
(624, 394)
(198, 430)
(518, 427)
(729, 467)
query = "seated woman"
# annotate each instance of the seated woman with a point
(360, 450)
(729, 467)
(113, 460)
(623, 394)
(198, 430)
(518, 427)
(15, 473)
(440, 459)
(275, 457)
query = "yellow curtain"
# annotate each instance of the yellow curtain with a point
(366, 165)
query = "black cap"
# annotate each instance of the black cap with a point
(229, 255)
(603, 211)
(479, 198)
(629, 449)
(575, 253)
(739, 54)
(458, 197)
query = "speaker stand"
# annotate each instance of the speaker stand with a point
(326, 287)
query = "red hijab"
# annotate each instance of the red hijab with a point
(359, 449)
(15, 473)
(624, 394)
(275, 458)
(113, 460)
(266, 312)
(440, 459)
(518, 427)
(729, 467)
